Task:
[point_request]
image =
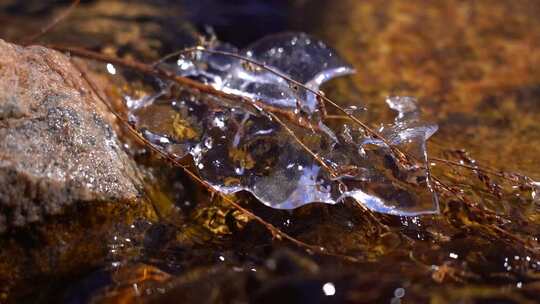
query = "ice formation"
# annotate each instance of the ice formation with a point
(235, 149)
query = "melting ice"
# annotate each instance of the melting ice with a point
(238, 150)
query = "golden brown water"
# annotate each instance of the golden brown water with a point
(474, 68)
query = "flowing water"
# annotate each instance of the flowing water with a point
(471, 67)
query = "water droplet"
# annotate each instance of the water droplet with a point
(329, 289)
(218, 122)
(399, 292)
(239, 170)
(208, 142)
(185, 64)
(111, 69)
(351, 110)
(535, 193)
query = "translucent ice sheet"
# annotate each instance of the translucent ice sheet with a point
(237, 150)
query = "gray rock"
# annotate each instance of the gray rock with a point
(57, 146)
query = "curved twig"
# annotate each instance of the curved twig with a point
(291, 80)
(276, 232)
(258, 105)
(188, 82)
(50, 26)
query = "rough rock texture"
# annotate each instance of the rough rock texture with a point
(57, 145)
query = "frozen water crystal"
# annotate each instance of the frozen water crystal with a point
(302, 58)
(396, 193)
(235, 149)
(297, 55)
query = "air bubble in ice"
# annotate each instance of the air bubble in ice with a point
(352, 110)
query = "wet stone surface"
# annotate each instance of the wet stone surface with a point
(57, 146)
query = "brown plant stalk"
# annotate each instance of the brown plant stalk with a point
(51, 25)
(271, 112)
(276, 232)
